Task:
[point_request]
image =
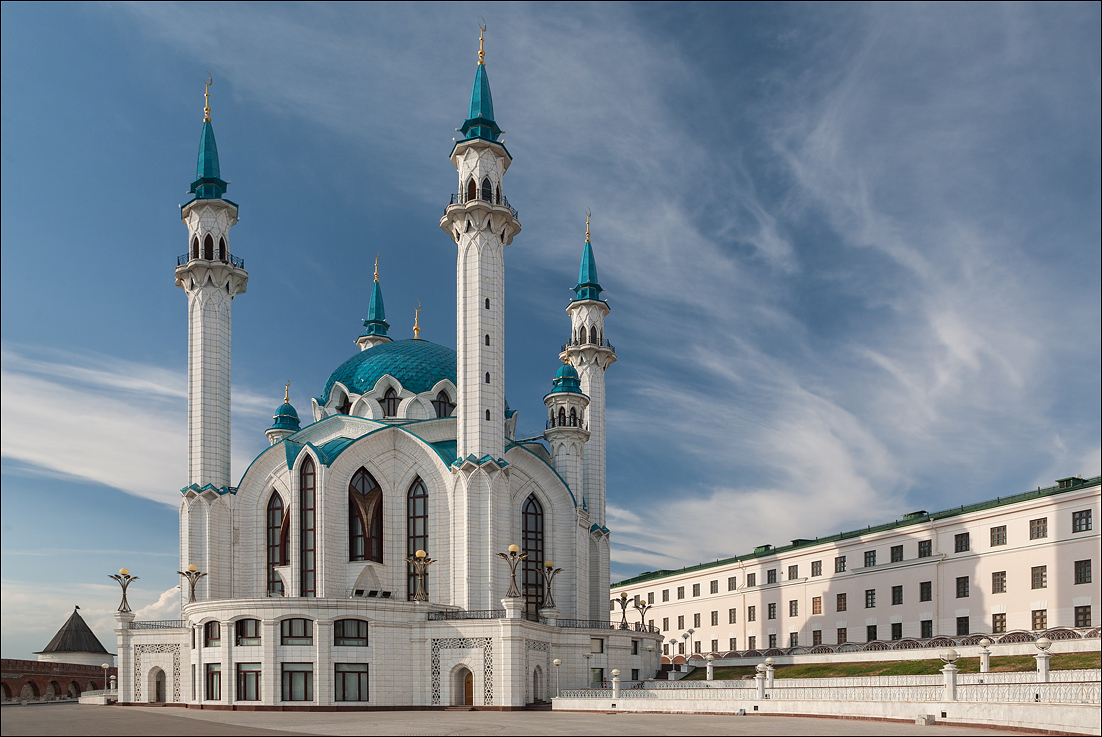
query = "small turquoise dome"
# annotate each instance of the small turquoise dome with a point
(566, 380)
(285, 418)
(417, 364)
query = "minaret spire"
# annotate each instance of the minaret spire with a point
(376, 328)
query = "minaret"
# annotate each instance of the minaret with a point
(481, 223)
(590, 353)
(566, 431)
(211, 278)
(375, 325)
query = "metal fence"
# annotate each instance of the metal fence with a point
(162, 624)
(474, 614)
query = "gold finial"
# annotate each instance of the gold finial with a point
(376, 268)
(481, 52)
(587, 214)
(287, 393)
(206, 98)
(566, 359)
(416, 320)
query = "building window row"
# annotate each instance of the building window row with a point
(297, 682)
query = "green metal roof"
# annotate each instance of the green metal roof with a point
(286, 418)
(376, 323)
(480, 117)
(416, 364)
(566, 381)
(208, 184)
(910, 519)
(587, 286)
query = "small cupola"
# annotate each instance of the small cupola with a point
(285, 421)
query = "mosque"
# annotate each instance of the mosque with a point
(358, 561)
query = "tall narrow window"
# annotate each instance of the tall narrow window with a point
(208, 248)
(195, 247)
(593, 335)
(573, 417)
(532, 544)
(443, 405)
(417, 529)
(221, 249)
(472, 190)
(562, 416)
(275, 544)
(365, 518)
(307, 542)
(487, 303)
(487, 377)
(389, 403)
(487, 190)
(487, 340)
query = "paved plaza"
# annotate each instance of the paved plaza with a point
(70, 719)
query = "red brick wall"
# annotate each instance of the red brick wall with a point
(15, 675)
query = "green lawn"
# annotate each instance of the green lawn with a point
(1005, 664)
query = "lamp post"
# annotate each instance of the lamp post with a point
(623, 602)
(558, 681)
(125, 579)
(985, 655)
(1043, 644)
(642, 607)
(420, 561)
(759, 679)
(549, 572)
(615, 683)
(673, 651)
(711, 671)
(513, 559)
(949, 673)
(769, 663)
(192, 575)
(588, 669)
(105, 667)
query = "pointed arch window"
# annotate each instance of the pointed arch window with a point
(593, 335)
(365, 518)
(195, 247)
(221, 249)
(487, 415)
(307, 529)
(443, 405)
(562, 416)
(276, 543)
(487, 190)
(532, 544)
(389, 403)
(472, 189)
(487, 303)
(497, 193)
(417, 530)
(573, 417)
(487, 377)
(208, 248)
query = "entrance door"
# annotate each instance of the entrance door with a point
(160, 692)
(468, 689)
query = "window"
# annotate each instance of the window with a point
(596, 645)
(926, 591)
(487, 339)
(925, 548)
(998, 582)
(751, 579)
(350, 680)
(214, 680)
(443, 405)
(794, 608)
(635, 674)
(962, 587)
(897, 595)
(696, 620)
(1039, 577)
(816, 637)
(1038, 528)
(487, 415)
(532, 544)
(696, 589)
(1082, 571)
(751, 614)
(296, 632)
(772, 640)
(998, 623)
(897, 553)
(793, 573)
(840, 564)
(816, 568)
(612, 605)
(487, 190)
(998, 535)
(635, 650)
(732, 644)
(793, 639)
(665, 594)
(1082, 616)
(842, 636)
(350, 633)
(680, 621)
(732, 615)
(817, 605)
(365, 518)
(389, 403)
(870, 558)
(731, 584)
(650, 597)
(897, 630)
(771, 576)
(752, 642)
(963, 627)
(472, 190)
(221, 249)
(1040, 619)
(962, 543)
(840, 604)
(870, 598)
(195, 247)
(248, 681)
(927, 627)
(277, 543)
(487, 303)
(487, 380)
(417, 532)
(772, 610)
(307, 544)
(715, 646)
(680, 592)
(248, 632)
(713, 587)
(212, 634)
(298, 681)
(208, 248)
(870, 633)
(1081, 521)
(715, 622)
(665, 624)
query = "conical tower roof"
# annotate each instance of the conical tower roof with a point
(75, 636)
(587, 287)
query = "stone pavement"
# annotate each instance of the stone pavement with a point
(73, 719)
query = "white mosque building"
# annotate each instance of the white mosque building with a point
(308, 598)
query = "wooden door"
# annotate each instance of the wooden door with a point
(468, 689)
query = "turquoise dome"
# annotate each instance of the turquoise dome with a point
(285, 418)
(416, 364)
(566, 380)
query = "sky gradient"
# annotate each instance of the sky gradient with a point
(852, 254)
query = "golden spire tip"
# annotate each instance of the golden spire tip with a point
(287, 393)
(587, 214)
(481, 51)
(376, 268)
(416, 322)
(206, 98)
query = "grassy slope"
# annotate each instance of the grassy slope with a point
(1005, 664)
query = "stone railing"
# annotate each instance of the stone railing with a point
(162, 624)
(1046, 693)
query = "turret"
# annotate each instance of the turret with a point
(285, 421)
(567, 431)
(375, 325)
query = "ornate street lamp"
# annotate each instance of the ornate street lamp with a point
(642, 607)
(192, 575)
(125, 579)
(105, 667)
(420, 561)
(513, 559)
(558, 684)
(549, 572)
(623, 602)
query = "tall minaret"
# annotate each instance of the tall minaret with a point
(591, 353)
(211, 278)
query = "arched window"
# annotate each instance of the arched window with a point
(498, 195)
(472, 189)
(562, 417)
(389, 403)
(487, 340)
(573, 417)
(442, 404)
(417, 530)
(208, 248)
(221, 249)
(307, 541)
(487, 415)
(593, 335)
(365, 518)
(487, 377)
(487, 303)
(487, 190)
(532, 544)
(195, 247)
(275, 538)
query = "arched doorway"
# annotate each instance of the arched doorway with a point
(6, 691)
(157, 682)
(74, 690)
(29, 691)
(537, 684)
(53, 690)
(463, 687)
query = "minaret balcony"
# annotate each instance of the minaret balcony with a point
(235, 261)
(501, 201)
(584, 426)
(583, 343)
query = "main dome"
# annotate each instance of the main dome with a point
(416, 364)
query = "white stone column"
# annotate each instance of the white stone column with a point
(615, 683)
(949, 678)
(711, 668)
(759, 681)
(229, 680)
(269, 667)
(324, 676)
(1042, 658)
(123, 640)
(514, 607)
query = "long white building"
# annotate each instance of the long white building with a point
(1023, 562)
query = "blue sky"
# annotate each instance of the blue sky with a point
(852, 251)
